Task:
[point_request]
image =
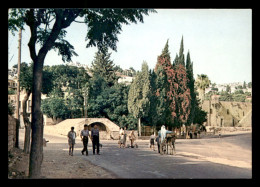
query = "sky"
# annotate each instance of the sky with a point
(219, 42)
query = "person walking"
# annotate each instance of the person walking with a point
(71, 139)
(132, 138)
(152, 138)
(121, 137)
(95, 139)
(84, 138)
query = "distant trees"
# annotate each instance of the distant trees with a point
(103, 66)
(202, 82)
(139, 95)
(173, 99)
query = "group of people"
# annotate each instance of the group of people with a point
(159, 139)
(122, 138)
(84, 135)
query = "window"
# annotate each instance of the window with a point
(210, 111)
(243, 113)
(227, 111)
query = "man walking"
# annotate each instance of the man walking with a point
(95, 139)
(71, 139)
(84, 138)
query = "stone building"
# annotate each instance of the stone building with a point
(227, 114)
(107, 129)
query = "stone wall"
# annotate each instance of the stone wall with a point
(11, 132)
(227, 114)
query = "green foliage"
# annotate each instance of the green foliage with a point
(26, 78)
(225, 96)
(11, 92)
(190, 84)
(228, 89)
(200, 116)
(139, 93)
(165, 88)
(103, 66)
(249, 85)
(11, 109)
(181, 55)
(104, 24)
(55, 107)
(111, 103)
(244, 85)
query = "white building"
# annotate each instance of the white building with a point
(125, 79)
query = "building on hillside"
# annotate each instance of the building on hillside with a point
(227, 114)
(12, 98)
(124, 79)
(12, 83)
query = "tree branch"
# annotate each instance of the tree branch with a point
(30, 21)
(79, 21)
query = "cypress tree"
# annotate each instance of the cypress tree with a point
(190, 84)
(181, 55)
(165, 87)
(139, 94)
(183, 97)
(175, 60)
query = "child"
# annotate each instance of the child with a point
(71, 140)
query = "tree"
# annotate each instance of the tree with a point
(228, 89)
(244, 85)
(200, 116)
(201, 84)
(249, 85)
(139, 93)
(26, 78)
(183, 97)
(55, 107)
(153, 116)
(190, 85)
(181, 54)
(165, 88)
(103, 27)
(103, 66)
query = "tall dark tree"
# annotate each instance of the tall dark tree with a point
(190, 84)
(103, 27)
(181, 59)
(153, 116)
(183, 97)
(103, 66)
(166, 85)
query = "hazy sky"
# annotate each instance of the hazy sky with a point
(219, 41)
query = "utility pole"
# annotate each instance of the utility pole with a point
(18, 75)
(18, 88)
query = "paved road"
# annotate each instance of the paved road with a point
(145, 163)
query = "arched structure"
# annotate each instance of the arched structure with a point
(108, 129)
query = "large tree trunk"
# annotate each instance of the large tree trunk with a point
(36, 154)
(27, 124)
